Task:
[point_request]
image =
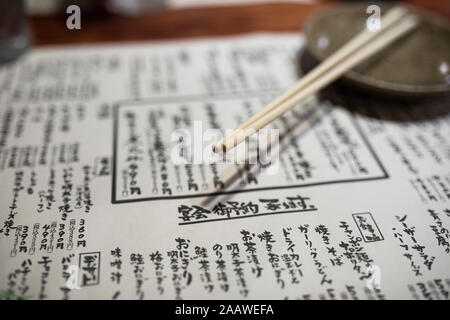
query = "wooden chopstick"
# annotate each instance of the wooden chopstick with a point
(356, 42)
(231, 173)
(362, 39)
(404, 26)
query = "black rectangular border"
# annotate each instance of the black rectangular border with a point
(181, 99)
(99, 265)
(376, 225)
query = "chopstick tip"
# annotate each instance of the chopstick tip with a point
(218, 148)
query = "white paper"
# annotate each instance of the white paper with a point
(93, 207)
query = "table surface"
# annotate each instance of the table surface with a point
(189, 23)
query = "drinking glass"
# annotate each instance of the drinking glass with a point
(14, 32)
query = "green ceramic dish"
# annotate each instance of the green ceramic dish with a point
(416, 64)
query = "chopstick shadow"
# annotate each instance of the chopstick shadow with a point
(370, 104)
(313, 114)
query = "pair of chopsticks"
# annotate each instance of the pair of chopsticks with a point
(395, 23)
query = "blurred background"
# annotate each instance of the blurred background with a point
(123, 20)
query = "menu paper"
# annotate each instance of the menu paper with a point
(356, 205)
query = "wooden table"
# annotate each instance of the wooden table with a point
(188, 23)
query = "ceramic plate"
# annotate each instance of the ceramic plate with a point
(416, 64)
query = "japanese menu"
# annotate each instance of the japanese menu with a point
(110, 190)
